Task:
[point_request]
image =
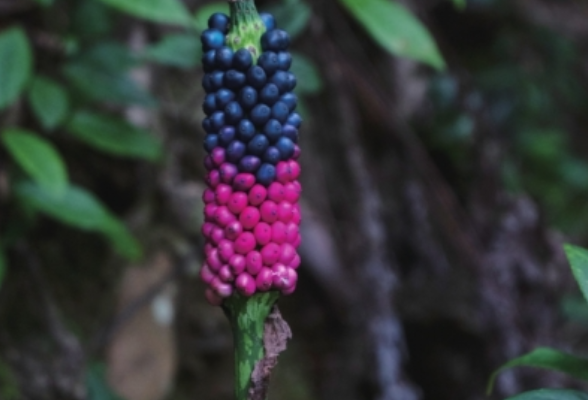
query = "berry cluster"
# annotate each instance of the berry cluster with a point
(251, 203)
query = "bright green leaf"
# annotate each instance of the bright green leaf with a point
(578, 259)
(546, 358)
(38, 158)
(114, 136)
(79, 208)
(200, 20)
(291, 16)
(96, 385)
(551, 394)
(15, 64)
(396, 29)
(49, 101)
(308, 77)
(165, 11)
(178, 50)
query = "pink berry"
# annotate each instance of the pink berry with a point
(223, 216)
(213, 260)
(296, 154)
(209, 211)
(295, 263)
(243, 181)
(269, 211)
(270, 253)
(228, 172)
(218, 156)
(245, 243)
(217, 235)
(285, 211)
(212, 297)
(289, 290)
(208, 196)
(206, 274)
(223, 193)
(221, 288)
(225, 250)
(225, 274)
(282, 172)
(213, 178)
(278, 232)
(297, 186)
(264, 279)
(249, 217)
(257, 195)
(297, 241)
(207, 228)
(245, 284)
(263, 233)
(291, 232)
(279, 278)
(287, 253)
(237, 202)
(296, 216)
(208, 163)
(294, 168)
(237, 263)
(275, 192)
(254, 262)
(208, 247)
(291, 194)
(233, 230)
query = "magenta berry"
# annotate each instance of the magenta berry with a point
(264, 279)
(228, 172)
(249, 217)
(263, 233)
(254, 262)
(238, 263)
(218, 156)
(243, 181)
(208, 196)
(285, 211)
(245, 243)
(225, 274)
(257, 195)
(223, 216)
(225, 250)
(287, 253)
(206, 274)
(278, 232)
(275, 192)
(237, 202)
(245, 284)
(214, 261)
(223, 193)
(233, 230)
(269, 211)
(270, 253)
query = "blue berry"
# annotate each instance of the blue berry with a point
(290, 99)
(223, 97)
(216, 79)
(280, 79)
(246, 130)
(217, 120)
(291, 82)
(249, 164)
(242, 60)
(208, 62)
(220, 22)
(210, 142)
(268, 20)
(260, 114)
(257, 145)
(272, 155)
(266, 174)
(269, 94)
(290, 132)
(209, 105)
(234, 79)
(284, 60)
(224, 58)
(286, 147)
(247, 97)
(273, 130)
(269, 62)
(280, 111)
(235, 151)
(212, 39)
(294, 119)
(275, 40)
(226, 135)
(207, 83)
(207, 125)
(256, 77)
(233, 112)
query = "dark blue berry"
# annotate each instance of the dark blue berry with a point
(249, 164)
(242, 60)
(269, 62)
(208, 62)
(290, 99)
(219, 21)
(212, 39)
(246, 130)
(265, 174)
(257, 145)
(247, 97)
(235, 151)
(272, 155)
(280, 111)
(226, 135)
(294, 119)
(290, 132)
(268, 20)
(234, 79)
(207, 125)
(275, 40)
(209, 105)
(224, 58)
(272, 130)
(233, 112)
(217, 120)
(207, 83)
(210, 142)
(216, 79)
(256, 77)
(284, 60)
(260, 114)
(269, 94)
(291, 82)
(286, 147)
(280, 79)
(223, 97)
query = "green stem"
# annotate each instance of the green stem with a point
(247, 316)
(246, 27)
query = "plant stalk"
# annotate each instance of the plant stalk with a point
(246, 27)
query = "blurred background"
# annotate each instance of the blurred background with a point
(444, 165)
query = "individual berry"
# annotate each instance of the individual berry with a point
(209, 210)
(225, 250)
(244, 181)
(207, 125)
(234, 79)
(273, 130)
(291, 232)
(233, 112)
(225, 274)
(217, 120)
(206, 274)
(210, 142)
(278, 232)
(257, 195)
(216, 235)
(287, 253)
(253, 262)
(291, 82)
(249, 217)
(220, 22)
(228, 172)
(295, 262)
(233, 230)
(223, 58)
(275, 40)
(284, 60)
(280, 276)
(208, 196)
(235, 151)
(264, 279)
(275, 192)
(290, 132)
(296, 216)
(270, 253)
(268, 20)
(208, 164)
(285, 211)
(280, 111)
(237, 264)
(286, 147)
(297, 153)
(266, 174)
(262, 233)
(294, 119)
(242, 60)
(223, 97)
(207, 83)
(222, 216)
(272, 155)
(209, 105)
(249, 164)
(245, 284)
(268, 61)
(221, 288)
(226, 135)
(216, 79)
(291, 193)
(260, 114)
(290, 99)
(245, 243)
(213, 260)
(246, 130)
(218, 156)
(208, 60)
(207, 229)
(280, 79)
(294, 169)
(258, 145)
(269, 94)
(256, 77)
(269, 211)
(223, 193)
(213, 178)
(247, 97)
(237, 202)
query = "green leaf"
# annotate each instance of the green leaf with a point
(460, 4)
(292, 16)
(79, 208)
(97, 386)
(165, 11)
(178, 50)
(15, 64)
(49, 101)
(578, 259)
(396, 29)
(551, 394)
(200, 20)
(308, 77)
(546, 358)
(114, 136)
(38, 158)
